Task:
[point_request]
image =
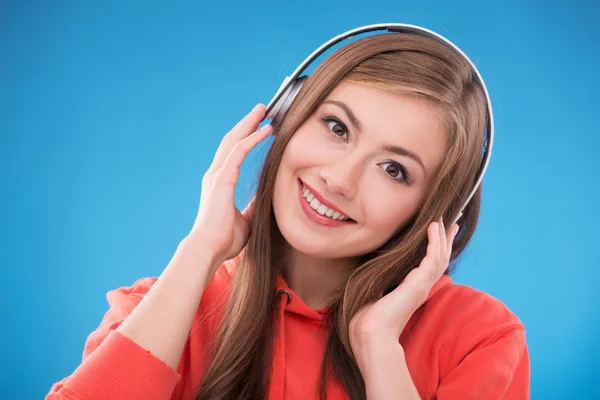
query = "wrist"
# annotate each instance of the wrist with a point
(371, 354)
(199, 255)
(196, 242)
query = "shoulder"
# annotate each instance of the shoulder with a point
(471, 307)
(130, 295)
(481, 349)
(467, 321)
(468, 317)
(122, 300)
(459, 319)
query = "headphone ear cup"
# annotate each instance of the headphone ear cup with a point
(283, 104)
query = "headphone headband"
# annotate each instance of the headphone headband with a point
(292, 84)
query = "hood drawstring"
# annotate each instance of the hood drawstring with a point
(278, 379)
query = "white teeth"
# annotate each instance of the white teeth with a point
(314, 204)
(321, 208)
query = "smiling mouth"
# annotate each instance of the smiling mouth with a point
(320, 212)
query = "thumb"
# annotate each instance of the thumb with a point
(248, 212)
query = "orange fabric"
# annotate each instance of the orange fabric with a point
(461, 344)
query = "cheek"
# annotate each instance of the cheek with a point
(298, 155)
(305, 149)
(386, 209)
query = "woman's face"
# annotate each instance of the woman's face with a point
(365, 154)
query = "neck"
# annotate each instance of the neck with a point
(313, 279)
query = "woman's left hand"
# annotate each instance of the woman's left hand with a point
(383, 321)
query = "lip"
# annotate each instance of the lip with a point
(320, 198)
(313, 214)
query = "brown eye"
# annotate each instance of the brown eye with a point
(338, 130)
(392, 170)
(336, 127)
(395, 171)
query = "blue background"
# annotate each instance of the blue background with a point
(110, 114)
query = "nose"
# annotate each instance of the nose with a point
(341, 176)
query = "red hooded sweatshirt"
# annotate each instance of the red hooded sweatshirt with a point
(460, 344)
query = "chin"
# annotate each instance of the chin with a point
(311, 247)
(305, 241)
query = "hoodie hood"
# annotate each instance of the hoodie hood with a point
(290, 302)
(294, 304)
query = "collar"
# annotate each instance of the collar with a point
(294, 304)
(290, 302)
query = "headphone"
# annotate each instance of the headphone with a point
(291, 85)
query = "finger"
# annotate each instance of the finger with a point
(426, 270)
(419, 281)
(415, 287)
(248, 124)
(248, 212)
(431, 260)
(450, 241)
(232, 136)
(224, 139)
(431, 239)
(240, 150)
(241, 130)
(446, 239)
(440, 262)
(443, 240)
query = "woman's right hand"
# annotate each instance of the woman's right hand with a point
(219, 225)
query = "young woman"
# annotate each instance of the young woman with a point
(298, 296)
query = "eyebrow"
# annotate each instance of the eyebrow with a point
(392, 149)
(403, 152)
(348, 112)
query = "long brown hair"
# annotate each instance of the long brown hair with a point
(401, 63)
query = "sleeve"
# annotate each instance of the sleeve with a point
(114, 366)
(499, 370)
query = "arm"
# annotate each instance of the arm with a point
(168, 310)
(493, 361)
(499, 370)
(127, 356)
(386, 374)
(376, 327)
(136, 355)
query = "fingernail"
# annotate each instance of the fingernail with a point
(264, 128)
(456, 229)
